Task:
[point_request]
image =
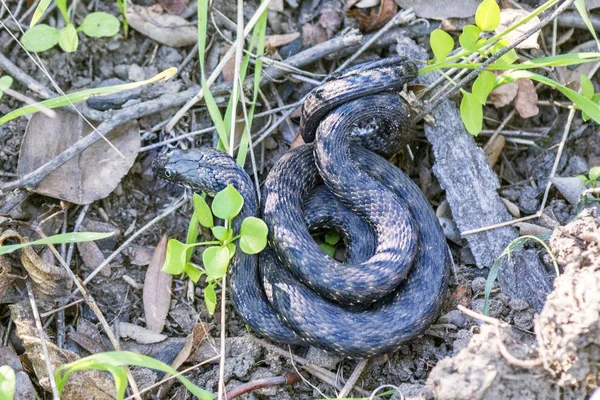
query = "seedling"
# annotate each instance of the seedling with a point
(226, 205)
(5, 83)
(591, 178)
(472, 40)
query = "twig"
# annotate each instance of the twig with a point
(358, 370)
(499, 129)
(38, 324)
(285, 379)
(474, 73)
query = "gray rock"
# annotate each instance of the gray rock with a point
(136, 73)
(322, 358)
(168, 57)
(529, 203)
(478, 285)
(454, 317)
(517, 304)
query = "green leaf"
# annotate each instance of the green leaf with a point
(332, 237)
(441, 44)
(587, 87)
(67, 38)
(74, 237)
(176, 257)
(468, 37)
(40, 38)
(5, 83)
(39, 12)
(227, 203)
(203, 212)
(216, 261)
(327, 249)
(193, 272)
(210, 298)
(111, 360)
(509, 57)
(487, 16)
(8, 382)
(584, 104)
(222, 233)
(483, 85)
(582, 9)
(253, 235)
(231, 247)
(192, 235)
(100, 24)
(594, 173)
(471, 112)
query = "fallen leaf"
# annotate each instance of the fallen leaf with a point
(313, 35)
(88, 337)
(529, 229)
(6, 278)
(441, 9)
(526, 100)
(87, 177)
(512, 208)
(157, 289)
(24, 389)
(511, 16)
(494, 149)
(570, 187)
(331, 18)
(90, 384)
(387, 10)
(92, 256)
(172, 30)
(139, 255)
(228, 72)
(504, 94)
(274, 41)
(174, 6)
(139, 334)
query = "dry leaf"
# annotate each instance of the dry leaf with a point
(82, 385)
(504, 94)
(526, 99)
(89, 176)
(139, 334)
(441, 9)
(174, 6)
(494, 149)
(171, 30)
(6, 278)
(313, 35)
(511, 16)
(92, 256)
(139, 255)
(157, 289)
(274, 41)
(387, 10)
(529, 229)
(24, 389)
(49, 281)
(88, 337)
(512, 208)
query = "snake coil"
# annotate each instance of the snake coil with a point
(394, 279)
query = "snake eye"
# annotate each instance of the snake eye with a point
(169, 173)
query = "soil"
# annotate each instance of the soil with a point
(457, 358)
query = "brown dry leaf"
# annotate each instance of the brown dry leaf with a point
(157, 289)
(88, 337)
(504, 94)
(171, 30)
(274, 41)
(139, 334)
(174, 6)
(511, 16)
(494, 149)
(139, 255)
(526, 99)
(24, 389)
(313, 34)
(387, 10)
(6, 278)
(49, 281)
(87, 177)
(441, 9)
(82, 385)
(92, 256)
(228, 72)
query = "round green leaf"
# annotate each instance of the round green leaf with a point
(487, 16)
(210, 298)
(468, 37)
(5, 83)
(203, 212)
(193, 272)
(587, 87)
(8, 382)
(176, 257)
(483, 85)
(100, 24)
(253, 235)
(471, 112)
(231, 247)
(221, 233)
(216, 261)
(227, 203)
(67, 38)
(327, 249)
(441, 44)
(40, 38)
(332, 237)
(509, 57)
(594, 173)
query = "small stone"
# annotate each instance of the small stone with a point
(576, 166)
(478, 285)
(270, 143)
(517, 304)
(322, 358)
(454, 317)
(524, 319)
(529, 203)
(122, 71)
(136, 73)
(168, 57)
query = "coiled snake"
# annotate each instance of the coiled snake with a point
(394, 280)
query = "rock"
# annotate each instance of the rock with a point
(529, 203)
(517, 304)
(168, 57)
(322, 358)
(454, 317)
(136, 73)
(478, 285)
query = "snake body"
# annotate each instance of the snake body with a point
(395, 277)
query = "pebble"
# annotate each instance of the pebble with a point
(529, 202)
(517, 304)
(136, 73)
(478, 285)
(456, 318)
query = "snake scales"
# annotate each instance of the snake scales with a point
(394, 280)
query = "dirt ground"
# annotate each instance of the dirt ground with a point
(522, 353)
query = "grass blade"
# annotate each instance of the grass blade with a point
(74, 237)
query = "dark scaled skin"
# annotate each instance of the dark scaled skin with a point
(394, 281)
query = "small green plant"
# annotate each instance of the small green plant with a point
(591, 178)
(226, 205)
(473, 40)
(5, 83)
(42, 37)
(115, 362)
(8, 382)
(515, 245)
(330, 241)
